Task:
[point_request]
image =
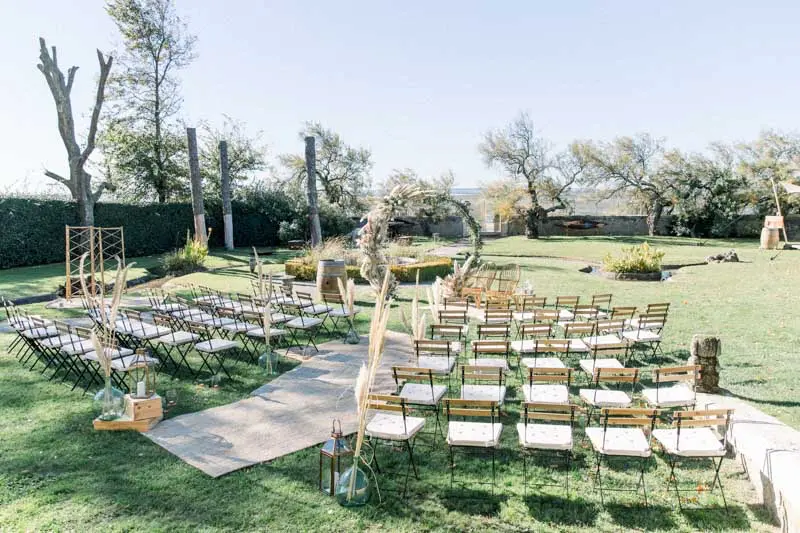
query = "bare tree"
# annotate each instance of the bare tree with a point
(635, 164)
(523, 155)
(80, 181)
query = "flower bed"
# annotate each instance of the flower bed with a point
(429, 269)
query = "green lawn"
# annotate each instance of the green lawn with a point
(56, 473)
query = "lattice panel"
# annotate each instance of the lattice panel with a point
(102, 245)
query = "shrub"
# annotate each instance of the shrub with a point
(429, 270)
(291, 231)
(188, 259)
(638, 259)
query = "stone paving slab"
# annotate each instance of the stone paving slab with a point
(292, 412)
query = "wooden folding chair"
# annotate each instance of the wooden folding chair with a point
(436, 355)
(693, 437)
(483, 383)
(393, 423)
(453, 333)
(622, 433)
(547, 353)
(447, 316)
(680, 389)
(647, 332)
(495, 331)
(469, 434)
(491, 348)
(416, 386)
(547, 385)
(546, 429)
(598, 398)
(622, 312)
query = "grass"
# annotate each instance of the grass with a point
(56, 473)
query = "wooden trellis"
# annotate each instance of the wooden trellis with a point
(103, 246)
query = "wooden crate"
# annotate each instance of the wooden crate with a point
(143, 408)
(126, 424)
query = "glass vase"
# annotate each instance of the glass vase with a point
(352, 337)
(110, 402)
(360, 488)
(268, 362)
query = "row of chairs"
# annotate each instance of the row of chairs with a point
(547, 428)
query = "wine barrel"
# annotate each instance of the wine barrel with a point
(328, 272)
(769, 238)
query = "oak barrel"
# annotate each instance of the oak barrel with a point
(328, 272)
(770, 237)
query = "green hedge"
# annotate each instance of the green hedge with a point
(32, 231)
(429, 270)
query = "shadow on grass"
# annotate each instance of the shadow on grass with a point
(562, 511)
(472, 501)
(717, 518)
(652, 518)
(777, 403)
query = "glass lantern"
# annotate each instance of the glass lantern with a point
(141, 375)
(334, 456)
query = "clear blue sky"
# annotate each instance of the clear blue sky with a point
(418, 82)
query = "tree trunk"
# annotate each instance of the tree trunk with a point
(654, 217)
(197, 188)
(311, 192)
(225, 178)
(531, 224)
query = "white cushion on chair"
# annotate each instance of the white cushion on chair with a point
(481, 434)
(490, 361)
(695, 442)
(421, 393)
(605, 397)
(542, 362)
(545, 436)
(169, 308)
(600, 340)
(641, 335)
(218, 322)
(588, 365)
(619, 441)
(258, 332)
(61, 340)
(522, 316)
(149, 331)
(176, 338)
(123, 363)
(239, 327)
(78, 347)
(492, 393)
(564, 314)
(546, 393)
(391, 427)
(280, 318)
(674, 396)
(338, 312)
(316, 309)
(303, 323)
(39, 333)
(117, 353)
(439, 364)
(653, 324)
(216, 345)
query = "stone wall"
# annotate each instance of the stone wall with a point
(750, 226)
(610, 225)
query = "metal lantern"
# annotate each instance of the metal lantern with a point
(141, 375)
(332, 456)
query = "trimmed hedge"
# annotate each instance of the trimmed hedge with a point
(429, 270)
(32, 231)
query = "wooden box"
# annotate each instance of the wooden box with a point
(143, 408)
(125, 423)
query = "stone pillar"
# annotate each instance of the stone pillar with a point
(705, 350)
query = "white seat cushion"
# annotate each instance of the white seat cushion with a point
(545, 436)
(216, 345)
(303, 323)
(493, 393)
(169, 308)
(674, 396)
(605, 398)
(564, 314)
(422, 394)
(600, 340)
(339, 312)
(218, 322)
(641, 335)
(695, 442)
(522, 316)
(117, 353)
(440, 365)
(546, 393)
(316, 309)
(39, 333)
(490, 361)
(210, 298)
(189, 312)
(239, 327)
(59, 341)
(78, 348)
(123, 364)
(588, 365)
(199, 318)
(542, 362)
(23, 322)
(176, 338)
(619, 441)
(280, 318)
(634, 324)
(149, 331)
(391, 427)
(480, 434)
(259, 332)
